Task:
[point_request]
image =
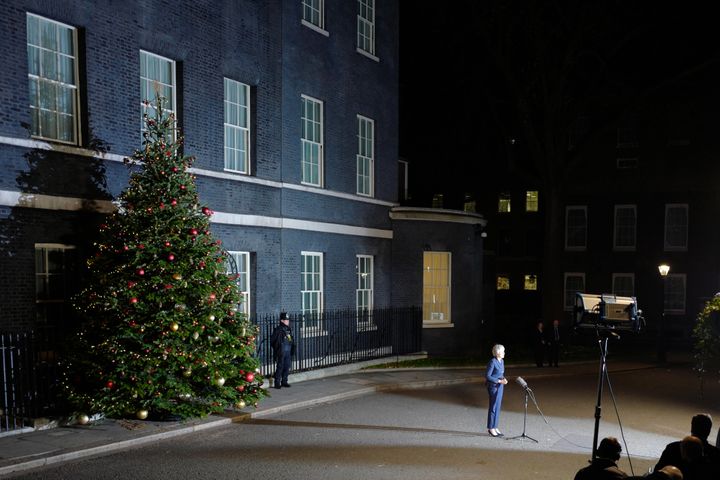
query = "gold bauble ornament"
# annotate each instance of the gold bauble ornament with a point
(196, 335)
(177, 276)
(220, 381)
(83, 419)
(212, 318)
(142, 414)
(240, 404)
(174, 327)
(188, 372)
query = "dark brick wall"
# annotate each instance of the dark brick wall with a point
(261, 44)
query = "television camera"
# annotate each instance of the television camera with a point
(607, 312)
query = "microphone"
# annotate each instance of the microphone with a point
(520, 381)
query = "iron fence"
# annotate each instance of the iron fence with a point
(28, 374)
(29, 371)
(343, 336)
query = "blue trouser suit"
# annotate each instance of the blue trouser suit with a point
(494, 373)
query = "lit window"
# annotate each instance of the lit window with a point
(366, 26)
(52, 79)
(504, 203)
(312, 141)
(365, 156)
(436, 287)
(503, 282)
(531, 282)
(531, 201)
(237, 126)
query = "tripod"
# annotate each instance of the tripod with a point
(528, 393)
(602, 375)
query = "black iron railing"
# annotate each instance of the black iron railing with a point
(29, 367)
(338, 337)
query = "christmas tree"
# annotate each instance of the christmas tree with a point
(162, 334)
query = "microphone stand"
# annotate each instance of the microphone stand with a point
(523, 435)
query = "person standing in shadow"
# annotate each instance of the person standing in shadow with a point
(540, 345)
(554, 342)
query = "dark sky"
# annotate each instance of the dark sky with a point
(449, 64)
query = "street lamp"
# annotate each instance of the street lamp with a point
(664, 269)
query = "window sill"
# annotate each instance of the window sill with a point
(438, 325)
(367, 54)
(314, 27)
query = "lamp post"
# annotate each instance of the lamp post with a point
(664, 269)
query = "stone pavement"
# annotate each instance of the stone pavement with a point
(55, 445)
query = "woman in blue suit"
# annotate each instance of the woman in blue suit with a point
(496, 381)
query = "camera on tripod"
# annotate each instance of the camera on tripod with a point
(607, 312)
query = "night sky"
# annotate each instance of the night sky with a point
(456, 108)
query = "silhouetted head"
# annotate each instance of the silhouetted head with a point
(701, 425)
(609, 448)
(669, 472)
(691, 449)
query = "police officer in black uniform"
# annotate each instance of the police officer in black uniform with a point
(283, 347)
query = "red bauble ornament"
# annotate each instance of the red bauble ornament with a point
(162, 206)
(168, 286)
(167, 244)
(174, 169)
(109, 384)
(212, 296)
(182, 187)
(141, 271)
(250, 376)
(130, 284)
(173, 202)
(201, 265)
(141, 246)
(126, 248)
(133, 300)
(194, 231)
(171, 257)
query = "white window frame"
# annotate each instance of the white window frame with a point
(675, 302)
(668, 226)
(242, 263)
(46, 74)
(619, 276)
(364, 293)
(236, 126)
(311, 299)
(313, 15)
(311, 141)
(584, 228)
(437, 282)
(621, 229)
(365, 158)
(148, 86)
(366, 28)
(568, 296)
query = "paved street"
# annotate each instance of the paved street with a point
(433, 433)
